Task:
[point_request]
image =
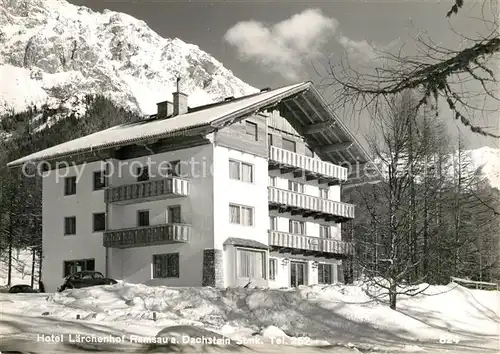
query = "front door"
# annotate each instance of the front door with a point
(297, 274)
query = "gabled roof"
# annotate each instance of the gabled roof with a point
(131, 133)
(301, 104)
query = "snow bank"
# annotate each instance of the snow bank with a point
(21, 268)
(315, 315)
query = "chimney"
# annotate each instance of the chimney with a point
(180, 100)
(165, 109)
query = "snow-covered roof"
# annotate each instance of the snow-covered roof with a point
(142, 131)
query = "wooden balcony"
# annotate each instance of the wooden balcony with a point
(147, 236)
(140, 192)
(286, 201)
(285, 242)
(300, 165)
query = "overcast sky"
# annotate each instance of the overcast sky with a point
(274, 43)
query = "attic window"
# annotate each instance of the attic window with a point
(251, 129)
(289, 145)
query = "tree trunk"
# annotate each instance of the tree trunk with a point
(425, 264)
(392, 297)
(9, 271)
(33, 259)
(40, 258)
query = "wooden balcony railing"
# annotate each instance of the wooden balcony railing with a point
(309, 205)
(282, 158)
(314, 245)
(149, 190)
(147, 235)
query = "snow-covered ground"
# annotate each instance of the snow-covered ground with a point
(21, 268)
(336, 318)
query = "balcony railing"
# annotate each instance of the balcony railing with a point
(282, 158)
(147, 236)
(285, 241)
(148, 190)
(309, 205)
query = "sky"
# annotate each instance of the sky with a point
(278, 42)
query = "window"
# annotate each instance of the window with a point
(70, 225)
(269, 140)
(273, 268)
(142, 174)
(251, 129)
(234, 170)
(175, 168)
(99, 222)
(247, 172)
(240, 215)
(174, 214)
(296, 186)
(324, 193)
(143, 218)
(251, 264)
(325, 231)
(234, 214)
(247, 216)
(166, 265)
(309, 152)
(99, 180)
(297, 227)
(273, 223)
(272, 181)
(325, 273)
(289, 145)
(70, 186)
(80, 265)
(240, 171)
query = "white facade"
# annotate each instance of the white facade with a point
(248, 194)
(206, 211)
(85, 244)
(135, 264)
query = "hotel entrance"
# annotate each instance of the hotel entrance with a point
(297, 274)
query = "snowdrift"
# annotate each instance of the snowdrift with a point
(315, 315)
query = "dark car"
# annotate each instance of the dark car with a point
(85, 279)
(22, 288)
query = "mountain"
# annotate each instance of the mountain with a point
(54, 53)
(488, 160)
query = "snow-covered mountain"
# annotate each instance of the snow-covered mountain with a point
(53, 52)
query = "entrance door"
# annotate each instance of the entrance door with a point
(297, 274)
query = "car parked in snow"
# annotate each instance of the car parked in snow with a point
(85, 279)
(22, 288)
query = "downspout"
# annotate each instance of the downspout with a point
(106, 222)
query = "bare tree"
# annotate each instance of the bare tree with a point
(399, 146)
(462, 78)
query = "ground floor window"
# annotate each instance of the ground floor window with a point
(325, 273)
(251, 264)
(78, 265)
(273, 268)
(166, 265)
